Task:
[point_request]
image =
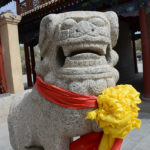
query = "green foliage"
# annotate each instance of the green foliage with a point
(36, 53)
(138, 44)
(22, 59)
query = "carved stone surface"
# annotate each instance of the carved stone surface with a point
(77, 55)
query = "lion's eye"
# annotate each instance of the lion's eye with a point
(97, 21)
(67, 24)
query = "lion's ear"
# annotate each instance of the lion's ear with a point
(47, 30)
(113, 19)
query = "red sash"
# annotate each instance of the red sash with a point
(64, 97)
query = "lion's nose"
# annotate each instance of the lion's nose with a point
(85, 27)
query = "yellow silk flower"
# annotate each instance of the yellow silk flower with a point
(116, 114)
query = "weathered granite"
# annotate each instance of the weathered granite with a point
(77, 55)
(5, 103)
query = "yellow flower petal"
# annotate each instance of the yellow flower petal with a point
(117, 113)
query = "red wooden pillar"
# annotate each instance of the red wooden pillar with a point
(28, 67)
(27, 5)
(145, 51)
(33, 63)
(134, 54)
(31, 4)
(2, 72)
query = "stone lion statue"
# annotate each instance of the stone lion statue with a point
(77, 55)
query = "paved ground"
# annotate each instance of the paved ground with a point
(4, 137)
(139, 139)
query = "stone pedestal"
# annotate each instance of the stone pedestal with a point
(11, 51)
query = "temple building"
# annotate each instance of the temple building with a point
(134, 21)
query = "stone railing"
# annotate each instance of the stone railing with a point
(10, 68)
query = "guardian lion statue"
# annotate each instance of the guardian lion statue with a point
(77, 56)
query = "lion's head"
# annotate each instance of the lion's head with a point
(77, 51)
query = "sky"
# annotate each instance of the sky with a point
(10, 6)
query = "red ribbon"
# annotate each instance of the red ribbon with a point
(91, 141)
(63, 97)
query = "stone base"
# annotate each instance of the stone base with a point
(145, 105)
(145, 98)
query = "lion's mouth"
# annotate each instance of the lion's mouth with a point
(82, 56)
(84, 62)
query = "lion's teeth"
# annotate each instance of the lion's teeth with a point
(77, 47)
(81, 61)
(66, 51)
